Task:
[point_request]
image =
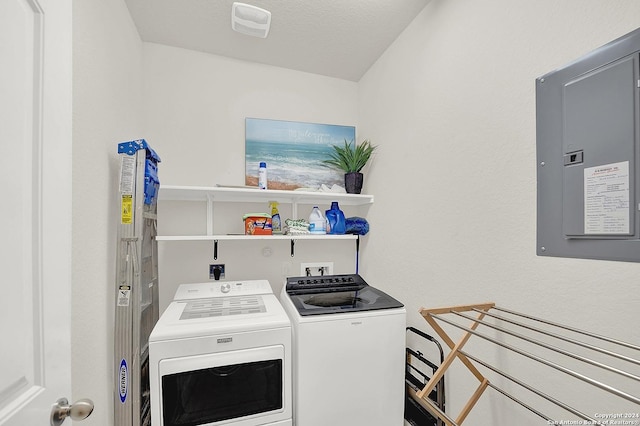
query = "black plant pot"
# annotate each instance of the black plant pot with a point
(353, 182)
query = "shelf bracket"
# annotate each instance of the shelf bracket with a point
(209, 214)
(293, 250)
(215, 249)
(357, 253)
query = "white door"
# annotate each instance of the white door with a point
(35, 213)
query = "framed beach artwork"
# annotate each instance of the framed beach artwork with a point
(294, 152)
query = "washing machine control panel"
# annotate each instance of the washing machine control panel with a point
(325, 283)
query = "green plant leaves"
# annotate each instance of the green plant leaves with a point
(351, 157)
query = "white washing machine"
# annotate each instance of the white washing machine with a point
(220, 354)
(348, 352)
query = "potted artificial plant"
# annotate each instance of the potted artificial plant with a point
(351, 158)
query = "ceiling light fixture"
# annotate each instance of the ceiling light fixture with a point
(250, 20)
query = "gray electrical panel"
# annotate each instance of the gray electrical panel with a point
(588, 149)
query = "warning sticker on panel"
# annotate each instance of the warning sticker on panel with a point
(127, 209)
(606, 199)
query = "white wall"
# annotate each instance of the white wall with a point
(107, 64)
(195, 106)
(452, 104)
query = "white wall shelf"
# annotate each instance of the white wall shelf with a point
(233, 237)
(253, 195)
(216, 194)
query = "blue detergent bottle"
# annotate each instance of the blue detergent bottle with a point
(335, 220)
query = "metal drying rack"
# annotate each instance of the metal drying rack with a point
(514, 322)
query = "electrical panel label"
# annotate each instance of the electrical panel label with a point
(606, 199)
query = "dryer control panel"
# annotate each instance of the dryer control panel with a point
(222, 289)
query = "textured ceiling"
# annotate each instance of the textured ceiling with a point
(336, 38)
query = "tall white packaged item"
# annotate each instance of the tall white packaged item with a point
(262, 176)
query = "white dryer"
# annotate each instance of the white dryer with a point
(220, 354)
(348, 352)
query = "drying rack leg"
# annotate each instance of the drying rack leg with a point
(455, 353)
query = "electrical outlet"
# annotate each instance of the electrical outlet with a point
(214, 269)
(316, 269)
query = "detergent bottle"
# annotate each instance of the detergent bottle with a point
(276, 224)
(317, 222)
(335, 220)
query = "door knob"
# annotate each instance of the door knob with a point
(79, 410)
